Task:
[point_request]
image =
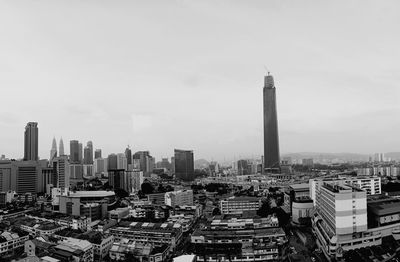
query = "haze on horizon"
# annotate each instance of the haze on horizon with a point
(159, 75)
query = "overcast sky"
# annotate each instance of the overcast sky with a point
(159, 75)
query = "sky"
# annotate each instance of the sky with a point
(159, 75)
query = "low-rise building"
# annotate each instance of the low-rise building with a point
(126, 250)
(195, 210)
(81, 250)
(186, 221)
(240, 240)
(150, 233)
(93, 204)
(240, 205)
(9, 241)
(179, 198)
(118, 213)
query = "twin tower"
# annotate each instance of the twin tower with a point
(271, 136)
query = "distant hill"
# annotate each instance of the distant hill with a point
(201, 163)
(347, 157)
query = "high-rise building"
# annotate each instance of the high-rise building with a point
(89, 159)
(80, 153)
(61, 171)
(145, 160)
(61, 147)
(86, 155)
(97, 153)
(31, 141)
(271, 137)
(184, 164)
(20, 176)
(100, 166)
(112, 162)
(128, 155)
(74, 151)
(121, 161)
(53, 151)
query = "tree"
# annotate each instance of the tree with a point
(216, 212)
(265, 209)
(147, 188)
(121, 193)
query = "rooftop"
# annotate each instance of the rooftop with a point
(91, 194)
(384, 207)
(303, 186)
(243, 198)
(185, 258)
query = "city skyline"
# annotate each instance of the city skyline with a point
(334, 76)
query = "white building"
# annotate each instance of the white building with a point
(340, 223)
(371, 185)
(179, 198)
(239, 205)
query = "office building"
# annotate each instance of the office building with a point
(61, 172)
(80, 153)
(86, 155)
(97, 153)
(74, 151)
(61, 147)
(128, 156)
(89, 158)
(164, 163)
(100, 166)
(116, 179)
(143, 161)
(53, 151)
(21, 176)
(28, 175)
(112, 162)
(244, 167)
(179, 198)
(75, 174)
(271, 136)
(184, 165)
(31, 142)
(122, 161)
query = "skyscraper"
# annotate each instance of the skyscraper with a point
(97, 153)
(80, 153)
(184, 164)
(271, 138)
(86, 155)
(145, 161)
(61, 148)
(53, 151)
(74, 151)
(61, 171)
(128, 155)
(31, 141)
(112, 162)
(89, 144)
(121, 161)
